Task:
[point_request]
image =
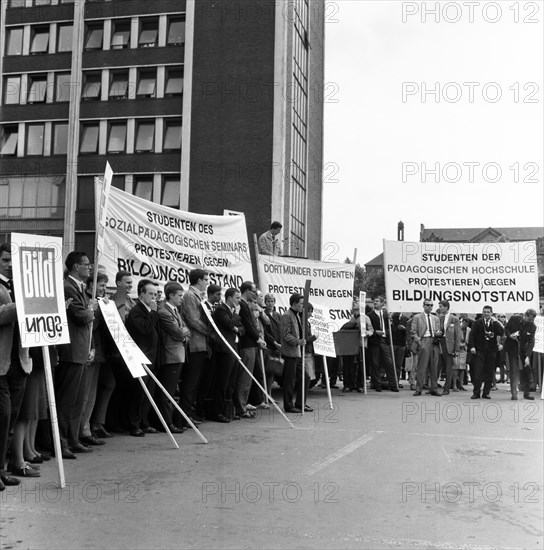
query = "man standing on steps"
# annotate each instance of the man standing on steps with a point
(425, 332)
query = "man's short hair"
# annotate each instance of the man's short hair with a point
(212, 289)
(195, 275)
(488, 307)
(445, 303)
(530, 313)
(171, 288)
(380, 298)
(100, 278)
(143, 284)
(246, 285)
(120, 274)
(276, 225)
(295, 298)
(269, 296)
(230, 292)
(74, 258)
(5, 247)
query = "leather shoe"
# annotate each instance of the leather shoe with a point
(475, 396)
(9, 481)
(247, 414)
(308, 409)
(137, 433)
(514, 398)
(175, 429)
(436, 394)
(446, 392)
(394, 389)
(417, 393)
(150, 430)
(294, 410)
(101, 432)
(25, 471)
(90, 440)
(222, 418)
(486, 397)
(528, 396)
(195, 418)
(462, 388)
(377, 389)
(236, 416)
(68, 455)
(79, 448)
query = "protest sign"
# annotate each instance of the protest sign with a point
(131, 353)
(539, 334)
(39, 292)
(322, 327)
(332, 283)
(469, 275)
(163, 244)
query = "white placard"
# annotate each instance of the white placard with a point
(322, 327)
(38, 285)
(539, 334)
(469, 275)
(131, 353)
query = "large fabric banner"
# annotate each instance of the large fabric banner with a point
(332, 283)
(469, 275)
(163, 244)
(39, 290)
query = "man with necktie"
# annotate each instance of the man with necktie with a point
(15, 362)
(425, 332)
(484, 345)
(174, 335)
(450, 341)
(74, 356)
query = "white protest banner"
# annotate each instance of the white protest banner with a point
(102, 189)
(131, 353)
(468, 275)
(322, 327)
(163, 244)
(332, 283)
(38, 285)
(539, 334)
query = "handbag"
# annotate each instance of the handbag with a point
(274, 364)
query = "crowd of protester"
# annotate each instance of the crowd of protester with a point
(97, 396)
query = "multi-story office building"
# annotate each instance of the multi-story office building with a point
(201, 106)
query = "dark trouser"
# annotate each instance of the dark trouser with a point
(225, 380)
(381, 353)
(205, 393)
(292, 382)
(244, 380)
(399, 359)
(106, 385)
(427, 360)
(349, 367)
(483, 371)
(332, 368)
(69, 397)
(256, 395)
(117, 412)
(518, 374)
(191, 376)
(139, 404)
(447, 363)
(168, 376)
(12, 390)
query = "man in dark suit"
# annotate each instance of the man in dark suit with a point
(249, 343)
(69, 387)
(450, 341)
(378, 346)
(483, 344)
(520, 340)
(143, 325)
(174, 334)
(15, 363)
(230, 325)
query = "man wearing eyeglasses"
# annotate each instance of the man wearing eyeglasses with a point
(426, 333)
(74, 356)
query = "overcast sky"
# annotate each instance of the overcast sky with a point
(373, 134)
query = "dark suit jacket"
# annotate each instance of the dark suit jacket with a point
(143, 326)
(477, 336)
(226, 320)
(251, 335)
(173, 334)
(526, 336)
(80, 324)
(375, 339)
(272, 331)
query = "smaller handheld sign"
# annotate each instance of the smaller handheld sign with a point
(322, 327)
(539, 334)
(38, 288)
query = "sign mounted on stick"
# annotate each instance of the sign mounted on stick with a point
(38, 286)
